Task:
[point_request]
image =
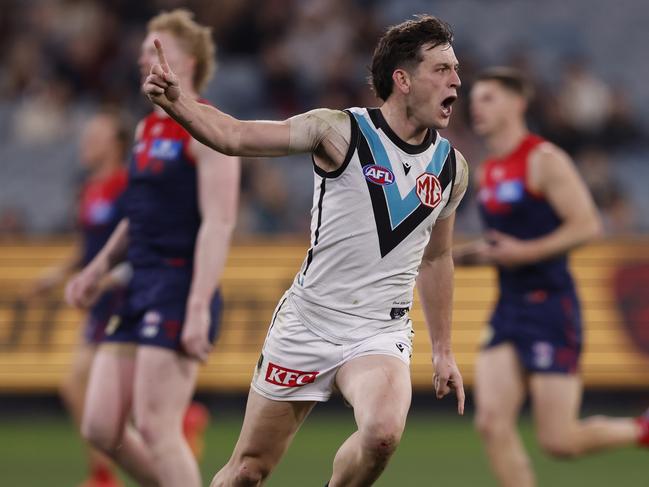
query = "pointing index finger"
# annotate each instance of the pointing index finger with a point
(460, 399)
(161, 55)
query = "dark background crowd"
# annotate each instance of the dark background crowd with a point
(60, 60)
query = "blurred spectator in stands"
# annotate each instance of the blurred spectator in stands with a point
(23, 67)
(44, 115)
(12, 223)
(609, 196)
(243, 28)
(621, 128)
(280, 80)
(321, 36)
(265, 201)
(584, 100)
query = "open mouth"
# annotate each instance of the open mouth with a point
(447, 104)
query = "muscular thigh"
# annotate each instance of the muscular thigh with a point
(378, 387)
(81, 366)
(500, 383)
(164, 384)
(110, 388)
(556, 399)
(268, 427)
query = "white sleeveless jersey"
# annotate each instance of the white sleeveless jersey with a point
(371, 220)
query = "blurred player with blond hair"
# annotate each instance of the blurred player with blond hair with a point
(536, 209)
(180, 209)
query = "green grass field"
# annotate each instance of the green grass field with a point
(435, 451)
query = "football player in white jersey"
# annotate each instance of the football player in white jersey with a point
(386, 189)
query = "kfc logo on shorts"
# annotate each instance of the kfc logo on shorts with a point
(429, 190)
(288, 377)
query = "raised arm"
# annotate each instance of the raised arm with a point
(324, 132)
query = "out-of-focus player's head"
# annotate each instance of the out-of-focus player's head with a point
(104, 140)
(189, 48)
(415, 66)
(499, 97)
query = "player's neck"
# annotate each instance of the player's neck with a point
(405, 128)
(505, 141)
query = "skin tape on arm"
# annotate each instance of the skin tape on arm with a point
(329, 129)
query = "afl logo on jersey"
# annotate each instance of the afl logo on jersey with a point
(429, 190)
(378, 175)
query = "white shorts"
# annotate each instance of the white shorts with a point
(298, 365)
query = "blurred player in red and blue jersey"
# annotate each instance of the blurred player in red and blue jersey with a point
(536, 208)
(103, 146)
(180, 208)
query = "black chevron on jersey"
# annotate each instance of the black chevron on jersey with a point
(389, 238)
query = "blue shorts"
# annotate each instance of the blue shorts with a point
(100, 314)
(153, 311)
(544, 327)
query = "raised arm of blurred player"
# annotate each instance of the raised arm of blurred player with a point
(435, 286)
(84, 288)
(553, 175)
(324, 132)
(218, 181)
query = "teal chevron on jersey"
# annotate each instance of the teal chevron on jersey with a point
(399, 207)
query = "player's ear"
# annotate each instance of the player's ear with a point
(401, 80)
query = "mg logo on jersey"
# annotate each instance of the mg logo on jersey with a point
(378, 174)
(280, 376)
(429, 190)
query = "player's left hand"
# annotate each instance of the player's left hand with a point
(447, 378)
(506, 250)
(194, 340)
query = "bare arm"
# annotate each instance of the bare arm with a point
(114, 251)
(84, 288)
(218, 183)
(435, 286)
(552, 174)
(324, 132)
(57, 274)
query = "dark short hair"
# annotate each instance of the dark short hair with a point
(512, 79)
(400, 47)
